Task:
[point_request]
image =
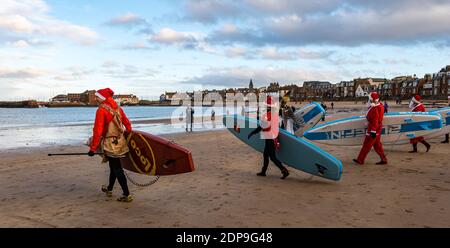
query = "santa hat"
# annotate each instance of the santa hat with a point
(374, 96)
(103, 94)
(270, 102)
(416, 99)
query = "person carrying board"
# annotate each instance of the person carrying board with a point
(416, 106)
(269, 126)
(374, 118)
(110, 126)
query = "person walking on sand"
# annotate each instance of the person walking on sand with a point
(332, 105)
(374, 117)
(189, 118)
(110, 128)
(416, 106)
(213, 117)
(269, 126)
(386, 107)
(192, 117)
(446, 140)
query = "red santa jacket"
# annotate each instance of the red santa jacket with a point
(419, 108)
(102, 119)
(375, 116)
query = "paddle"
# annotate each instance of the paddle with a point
(72, 154)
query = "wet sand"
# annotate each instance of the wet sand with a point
(224, 191)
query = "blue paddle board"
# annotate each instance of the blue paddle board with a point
(398, 128)
(307, 117)
(295, 152)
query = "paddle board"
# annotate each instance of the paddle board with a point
(307, 117)
(156, 156)
(295, 152)
(445, 114)
(398, 128)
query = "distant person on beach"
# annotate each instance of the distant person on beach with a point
(332, 105)
(386, 107)
(416, 106)
(192, 117)
(188, 117)
(324, 106)
(269, 126)
(446, 135)
(110, 130)
(374, 118)
(213, 117)
(287, 114)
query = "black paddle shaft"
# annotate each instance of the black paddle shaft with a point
(72, 154)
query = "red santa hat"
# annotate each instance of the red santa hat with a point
(374, 96)
(416, 99)
(103, 94)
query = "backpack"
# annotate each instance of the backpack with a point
(114, 143)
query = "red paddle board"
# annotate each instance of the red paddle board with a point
(153, 155)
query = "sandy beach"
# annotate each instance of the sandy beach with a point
(224, 191)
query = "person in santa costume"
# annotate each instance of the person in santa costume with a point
(269, 126)
(110, 128)
(374, 118)
(416, 106)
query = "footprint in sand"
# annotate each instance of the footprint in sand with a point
(435, 187)
(408, 171)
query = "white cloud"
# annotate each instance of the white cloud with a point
(306, 54)
(31, 17)
(126, 71)
(131, 20)
(209, 11)
(18, 44)
(137, 46)
(170, 36)
(110, 64)
(74, 73)
(234, 52)
(22, 73)
(126, 19)
(240, 76)
(274, 54)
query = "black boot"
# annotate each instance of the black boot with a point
(285, 173)
(261, 174)
(414, 149)
(446, 139)
(427, 145)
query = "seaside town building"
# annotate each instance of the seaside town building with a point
(129, 99)
(434, 86)
(60, 98)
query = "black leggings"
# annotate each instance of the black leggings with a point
(116, 171)
(269, 152)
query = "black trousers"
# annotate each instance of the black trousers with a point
(269, 153)
(116, 171)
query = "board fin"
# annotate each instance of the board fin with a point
(411, 135)
(321, 169)
(408, 120)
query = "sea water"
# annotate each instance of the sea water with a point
(73, 126)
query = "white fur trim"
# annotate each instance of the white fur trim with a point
(100, 96)
(414, 100)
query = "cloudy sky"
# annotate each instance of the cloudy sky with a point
(148, 47)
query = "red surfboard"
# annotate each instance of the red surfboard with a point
(156, 156)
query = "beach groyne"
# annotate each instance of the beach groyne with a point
(19, 104)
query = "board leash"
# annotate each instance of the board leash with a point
(151, 182)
